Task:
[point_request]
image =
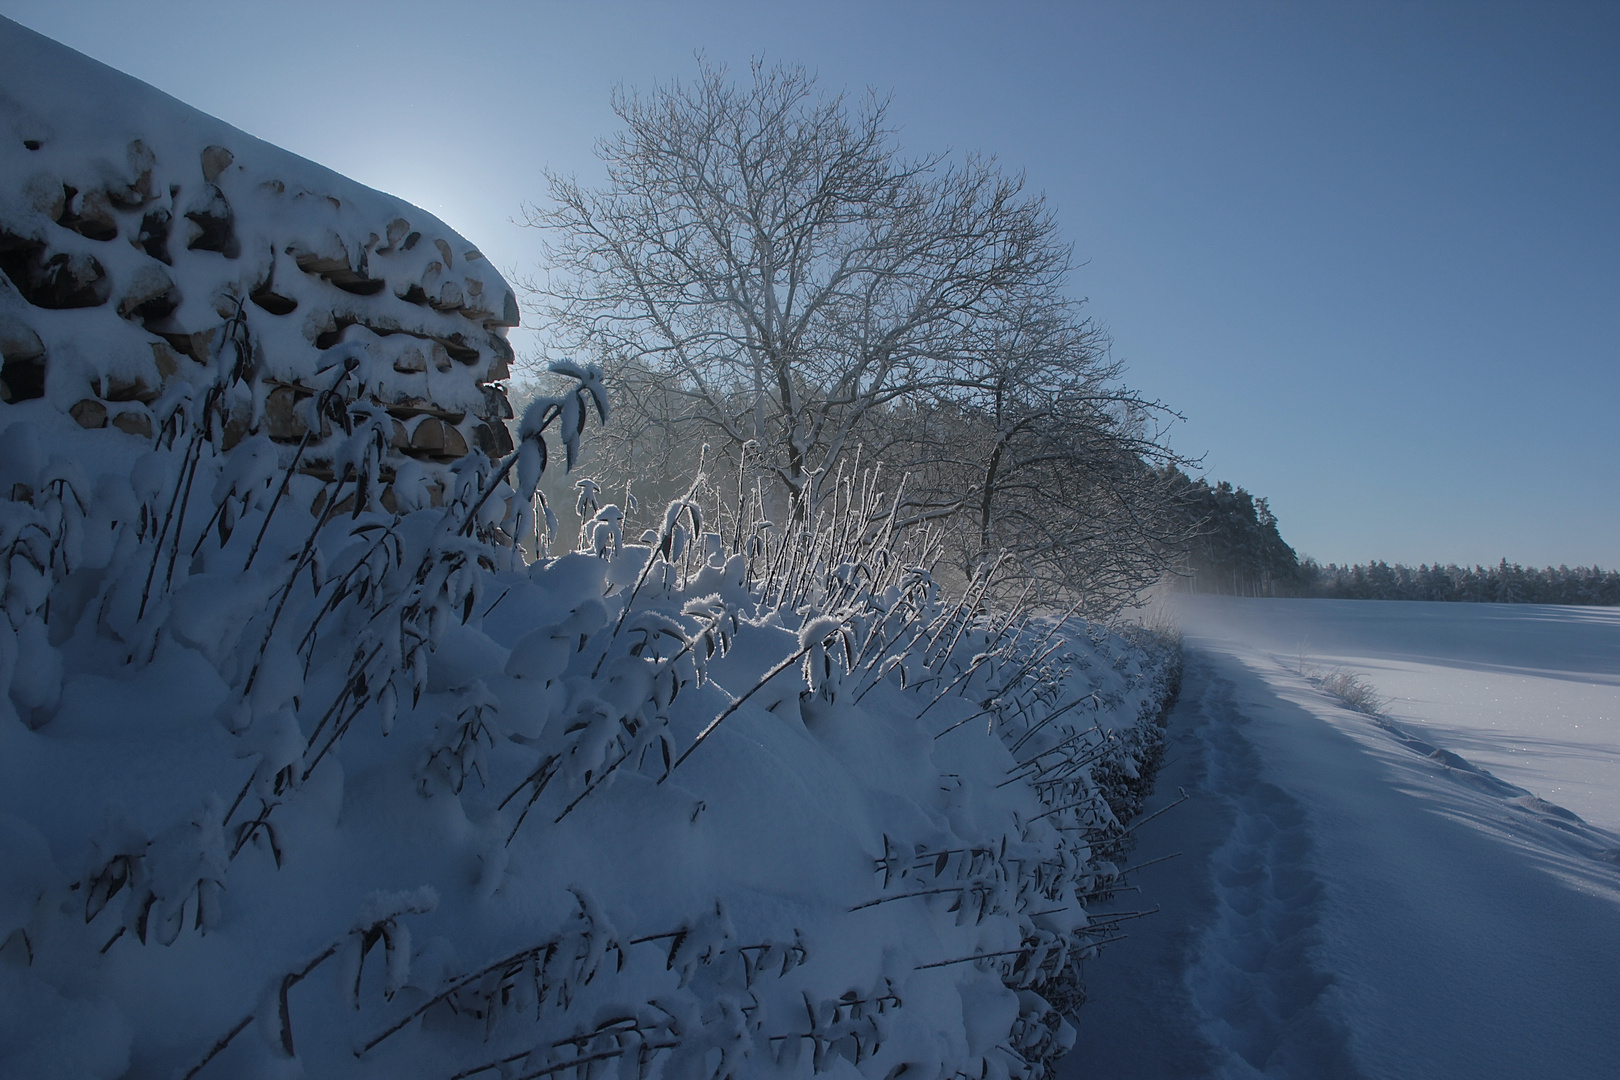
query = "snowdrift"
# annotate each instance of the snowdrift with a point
(317, 751)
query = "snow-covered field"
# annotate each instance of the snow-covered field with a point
(1528, 692)
(1408, 895)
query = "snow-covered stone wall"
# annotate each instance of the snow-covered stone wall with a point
(142, 242)
(724, 804)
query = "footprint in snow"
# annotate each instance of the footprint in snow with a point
(1252, 975)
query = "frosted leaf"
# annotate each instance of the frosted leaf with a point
(815, 667)
(522, 520)
(151, 475)
(397, 956)
(272, 1025)
(596, 927)
(585, 505)
(603, 534)
(412, 486)
(180, 858)
(570, 424)
(387, 904)
(350, 958)
(387, 707)
(67, 473)
(541, 655)
(673, 512)
(252, 469)
(819, 629)
(713, 549)
(278, 742)
(700, 941)
(590, 381)
(530, 465)
(27, 538)
(536, 417)
(493, 511)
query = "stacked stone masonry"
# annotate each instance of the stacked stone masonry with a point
(137, 235)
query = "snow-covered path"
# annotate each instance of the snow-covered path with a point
(1347, 906)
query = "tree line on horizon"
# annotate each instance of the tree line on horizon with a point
(1236, 549)
(1504, 583)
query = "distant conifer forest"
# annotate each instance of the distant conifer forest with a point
(1236, 549)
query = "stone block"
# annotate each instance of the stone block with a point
(411, 360)
(89, 413)
(168, 364)
(129, 388)
(281, 419)
(89, 214)
(134, 422)
(427, 436)
(151, 294)
(213, 224)
(215, 160)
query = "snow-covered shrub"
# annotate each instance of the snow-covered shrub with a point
(1350, 689)
(1126, 777)
(626, 795)
(305, 764)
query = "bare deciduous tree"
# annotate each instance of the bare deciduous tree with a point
(763, 268)
(1056, 457)
(766, 251)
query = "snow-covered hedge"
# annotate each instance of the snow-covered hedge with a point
(296, 777)
(788, 809)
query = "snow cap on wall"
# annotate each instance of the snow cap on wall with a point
(144, 244)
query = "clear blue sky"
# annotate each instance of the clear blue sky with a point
(1370, 250)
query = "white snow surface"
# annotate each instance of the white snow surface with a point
(1356, 896)
(1529, 692)
(292, 784)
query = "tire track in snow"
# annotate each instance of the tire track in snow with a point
(1251, 976)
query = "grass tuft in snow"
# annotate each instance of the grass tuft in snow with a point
(1350, 689)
